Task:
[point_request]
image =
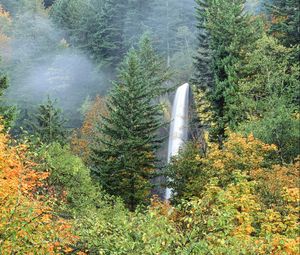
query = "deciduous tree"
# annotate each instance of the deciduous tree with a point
(28, 223)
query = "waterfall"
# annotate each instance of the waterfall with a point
(179, 125)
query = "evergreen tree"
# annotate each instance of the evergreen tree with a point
(112, 44)
(135, 23)
(82, 22)
(48, 123)
(228, 42)
(164, 19)
(285, 20)
(154, 68)
(203, 76)
(95, 26)
(124, 156)
(6, 112)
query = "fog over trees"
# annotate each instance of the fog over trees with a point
(86, 95)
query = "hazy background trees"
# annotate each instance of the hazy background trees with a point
(88, 190)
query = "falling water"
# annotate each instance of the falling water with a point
(179, 125)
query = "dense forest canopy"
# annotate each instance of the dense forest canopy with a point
(86, 93)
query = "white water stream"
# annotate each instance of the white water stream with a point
(179, 125)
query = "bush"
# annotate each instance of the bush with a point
(70, 179)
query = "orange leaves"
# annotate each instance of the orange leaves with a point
(278, 19)
(16, 174)
(292, 195)
(82, 139)
(163, 208)
(278, 179)
(242, 199)
(27, 222)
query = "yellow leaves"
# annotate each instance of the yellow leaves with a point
(218, 164)
(272, 223)
(203, 108)
(68, 250)
(27, 225)
(5, 20)
(245, 200)
(246, 230)
(292, 194)
(239, 153)
(81, 253)
(4, 14)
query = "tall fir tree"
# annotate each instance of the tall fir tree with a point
(124, 155)
(228, 42)
(203, 76)
(111, 32)
(155, 71)
(48, 123)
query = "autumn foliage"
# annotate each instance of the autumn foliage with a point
(83, 138)
(28, 224)
(238, 201)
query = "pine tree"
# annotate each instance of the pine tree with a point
(81, 19)
(112, 43)
(285, 20)
(48, 123)
(95, 26)
(228, 42)
(124, 155)
(203, 76)
(155, 71)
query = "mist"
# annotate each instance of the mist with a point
(50, 58)
(62, 58)
(41, 63)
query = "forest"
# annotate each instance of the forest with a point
(86, 95)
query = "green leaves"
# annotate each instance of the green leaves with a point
(269, 93)
(70, 179)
